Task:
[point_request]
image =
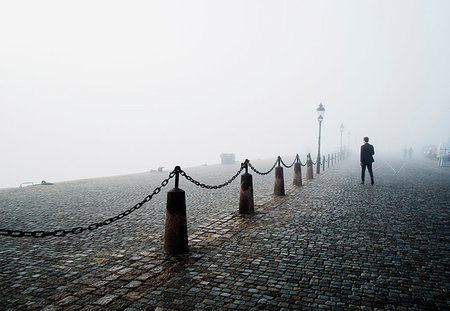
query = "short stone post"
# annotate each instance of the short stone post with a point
(328, 161)
(323, 161)
(246, 203)
(175, 236)
(298, 172)
(278, 188)
(309, 167)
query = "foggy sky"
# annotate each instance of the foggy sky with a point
(99, 88)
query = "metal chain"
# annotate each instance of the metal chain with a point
(288, 166)
(91, 227)
(199, 184)
(300, 161)
(266, 173)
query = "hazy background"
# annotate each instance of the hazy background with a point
(97, 88)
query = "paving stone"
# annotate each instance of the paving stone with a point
(331, 244)
(105, 300)
(133, 284)
(68, 300)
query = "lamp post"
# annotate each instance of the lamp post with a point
(348, 145)
(320, 112)
(342, 131)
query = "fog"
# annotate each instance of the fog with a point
(100, 88)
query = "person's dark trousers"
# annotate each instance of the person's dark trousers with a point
(363, 172)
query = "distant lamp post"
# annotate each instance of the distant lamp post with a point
(348, 144)
(320, 112)
(342, 131)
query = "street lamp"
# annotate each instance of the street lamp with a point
(348, 144)
(320, 112)
(342, 131)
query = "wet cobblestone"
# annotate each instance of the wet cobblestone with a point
(332, 244)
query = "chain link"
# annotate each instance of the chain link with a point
(91, 227)
(300, 161)
(201, 185)
(260, 173)
(288, 166)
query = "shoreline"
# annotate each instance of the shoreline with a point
(164, 172)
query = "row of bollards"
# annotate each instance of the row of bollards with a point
(175, 236)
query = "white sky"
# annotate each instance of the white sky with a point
(97, 88)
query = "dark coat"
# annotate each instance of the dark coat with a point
(367, 153)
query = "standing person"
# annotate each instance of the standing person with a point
(367, 153)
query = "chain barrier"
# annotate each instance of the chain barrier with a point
(177, 171)
(300, 161)
(91, 227)
(288, 166)
(197, 183)
(262, 174)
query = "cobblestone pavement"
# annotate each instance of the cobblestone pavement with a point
(331, 244)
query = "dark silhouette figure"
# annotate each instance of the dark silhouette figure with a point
(367, 153)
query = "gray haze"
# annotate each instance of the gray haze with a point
(98, 88)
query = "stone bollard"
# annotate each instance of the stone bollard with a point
(309, 168)
(246, 203)
(298, 172)
(328, 161)
(323, 164)
(175, 236)
(278, 188)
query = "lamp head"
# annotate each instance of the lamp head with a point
(320, 111)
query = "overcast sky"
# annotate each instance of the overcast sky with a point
(99, 88)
